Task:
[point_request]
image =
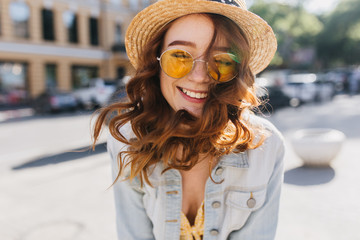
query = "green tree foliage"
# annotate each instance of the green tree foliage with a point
(294, 27)
(339, 43)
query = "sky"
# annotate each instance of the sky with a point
(313, 6)
(318, 6)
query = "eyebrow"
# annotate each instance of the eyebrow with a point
(184, 43)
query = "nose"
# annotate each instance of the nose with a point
(199, 72)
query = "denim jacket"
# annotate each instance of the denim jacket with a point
(243, 207)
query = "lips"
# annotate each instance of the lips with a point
(197, 95)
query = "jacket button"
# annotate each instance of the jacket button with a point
(219, 171)
(214, 232)
(216, 204)
(251, 202)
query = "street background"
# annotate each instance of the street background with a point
(60, 60)
(51, 189)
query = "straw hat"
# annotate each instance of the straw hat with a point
(146, 23)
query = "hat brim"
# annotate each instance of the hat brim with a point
(146, 23)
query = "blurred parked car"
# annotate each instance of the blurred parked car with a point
(309, 87)
(53, 100)
(272, 94)
(120, 93)
(339, 77)
(301, 86)
(96, 95)
(15, 96)
(275, 77)
(326, 89)
(354, 81)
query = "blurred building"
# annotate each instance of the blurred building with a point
(61, 43)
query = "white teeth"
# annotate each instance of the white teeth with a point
(194, 94)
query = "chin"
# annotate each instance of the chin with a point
(195, 112)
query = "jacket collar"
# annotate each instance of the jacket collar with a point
(239, 160)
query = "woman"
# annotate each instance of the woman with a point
(190, 161)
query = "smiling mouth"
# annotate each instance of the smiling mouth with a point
(196, 95)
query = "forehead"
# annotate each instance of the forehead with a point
(193, 31)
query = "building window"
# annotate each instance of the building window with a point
(81, 75)
(50, 75)
(94, 31)
(70, 21)
(20, 14)
(48, 24)
(13, 84)
(118, 34)
(120, 72)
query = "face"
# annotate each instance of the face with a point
(192, 33)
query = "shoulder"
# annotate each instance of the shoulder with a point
(263, 126)
(272, 149)
(117, 151)
(114, 146)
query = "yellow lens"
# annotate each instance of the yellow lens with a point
(225, 67)
(176, 63)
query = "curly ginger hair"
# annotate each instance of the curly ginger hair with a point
(160, 132)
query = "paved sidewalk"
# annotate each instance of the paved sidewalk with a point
(64, 196)
(322, 203)
(9, 114)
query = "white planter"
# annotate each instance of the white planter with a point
(317, 146)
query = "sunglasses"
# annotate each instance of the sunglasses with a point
(177, 63)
